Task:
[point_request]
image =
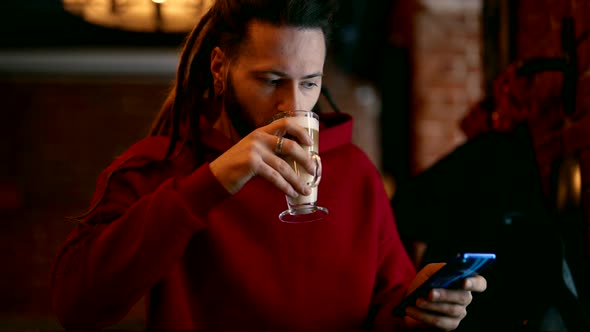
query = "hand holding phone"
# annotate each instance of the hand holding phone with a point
(451, 275)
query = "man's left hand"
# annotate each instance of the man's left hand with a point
(442, 309)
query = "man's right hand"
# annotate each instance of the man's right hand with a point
(256, 155)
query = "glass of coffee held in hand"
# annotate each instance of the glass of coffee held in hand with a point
(304, 208)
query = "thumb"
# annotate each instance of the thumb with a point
(427, 271)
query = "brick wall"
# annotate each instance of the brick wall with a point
(447, 78)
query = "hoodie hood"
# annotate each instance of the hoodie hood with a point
(335, 130)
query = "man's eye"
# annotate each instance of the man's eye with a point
(309, 85)
(269, 82)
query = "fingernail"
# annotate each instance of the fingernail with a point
(468, 283)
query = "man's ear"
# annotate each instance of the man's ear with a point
(218, 65)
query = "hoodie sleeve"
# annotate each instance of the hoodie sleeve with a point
(395, 269)
(395, 275)
(128, 243)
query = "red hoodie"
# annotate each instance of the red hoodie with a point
(208, 260)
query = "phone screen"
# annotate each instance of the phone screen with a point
(451, 275)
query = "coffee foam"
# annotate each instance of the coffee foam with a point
(307, 122)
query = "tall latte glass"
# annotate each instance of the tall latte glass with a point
(305, 208)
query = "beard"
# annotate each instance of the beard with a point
(236, 111)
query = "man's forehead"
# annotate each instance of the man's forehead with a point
(266, 36)
(282, 47)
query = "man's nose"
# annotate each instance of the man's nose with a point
(290, 98)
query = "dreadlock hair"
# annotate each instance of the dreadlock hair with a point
(225, 25)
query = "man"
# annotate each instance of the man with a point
(188, 215)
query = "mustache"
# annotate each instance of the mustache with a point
(278, 116)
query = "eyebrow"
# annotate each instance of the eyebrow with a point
(282, 74)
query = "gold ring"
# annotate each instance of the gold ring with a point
(279, 147)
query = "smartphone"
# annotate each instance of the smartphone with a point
(451, 275)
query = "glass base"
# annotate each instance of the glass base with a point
(303, 215)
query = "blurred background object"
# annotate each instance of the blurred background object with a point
(170, 16)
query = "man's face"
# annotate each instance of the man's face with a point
(279, 69)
